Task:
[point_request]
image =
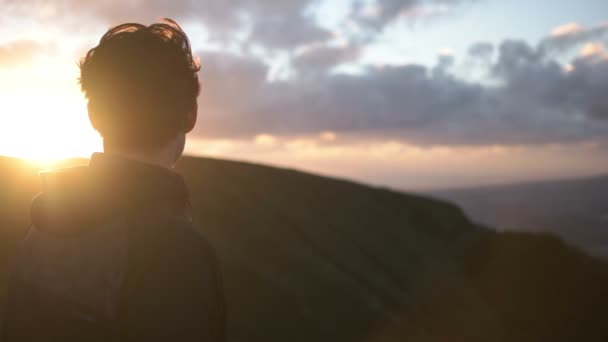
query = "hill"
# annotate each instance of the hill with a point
(307, 258)
(574, 209)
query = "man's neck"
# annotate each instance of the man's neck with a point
(152, 160)
(164, 157)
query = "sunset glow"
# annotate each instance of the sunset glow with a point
(53, 125)
(425, 97)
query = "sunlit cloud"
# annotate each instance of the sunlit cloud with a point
(445, 52)
(328, 136)
(265, 140)
(22, 52)
(569, 36)
(411, 167)
(592, 49)
(566, 29)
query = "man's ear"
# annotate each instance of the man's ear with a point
(191, 119)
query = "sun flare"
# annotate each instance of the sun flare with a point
(52, 126)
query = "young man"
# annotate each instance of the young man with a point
(112, 254)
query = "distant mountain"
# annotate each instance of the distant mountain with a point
(574, 209)
(307, 258)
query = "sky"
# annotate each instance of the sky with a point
(408, 94)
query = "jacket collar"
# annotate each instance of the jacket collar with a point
(109, 186)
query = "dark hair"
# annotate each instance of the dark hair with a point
(140, 81)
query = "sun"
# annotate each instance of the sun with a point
(52, 126)
(43, 116)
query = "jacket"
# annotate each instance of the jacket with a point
(112, 255)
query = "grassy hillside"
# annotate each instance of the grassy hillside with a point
(307, 258)
(576, 209)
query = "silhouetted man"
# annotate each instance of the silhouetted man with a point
(112, 254)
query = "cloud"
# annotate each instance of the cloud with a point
(592, 49)
(533, 99)
(517, 57)
(407, 166)
(232, 87)
(21, 52)
(577, 90)
(481, 50)
(284, 31)
(271, 23)
(328, 136)
(567, 30)
(587, 86)
(274, 24)
(569, 36)
(265, 140)
(320, 58)
(380, 13)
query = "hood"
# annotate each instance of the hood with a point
(74, 199)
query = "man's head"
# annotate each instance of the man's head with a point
(141, 83)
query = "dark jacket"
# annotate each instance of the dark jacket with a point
(112, 255)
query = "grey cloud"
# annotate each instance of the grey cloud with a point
(445, 62)
(386, 11)
(516, 57)
(588, 87)
(281, 31)
(231, 92)
(322, 58)
(442, 69)
(275, 23)
(535, 101)
(530, 74)
(481, 50)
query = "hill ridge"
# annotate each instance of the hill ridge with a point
(309, 258)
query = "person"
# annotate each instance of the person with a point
(112, 253)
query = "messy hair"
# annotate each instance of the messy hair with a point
(140, 82)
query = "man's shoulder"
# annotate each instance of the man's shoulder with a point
(171, 240)
(187, 239)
